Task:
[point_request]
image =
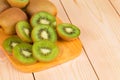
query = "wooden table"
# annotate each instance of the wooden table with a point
(99, 21)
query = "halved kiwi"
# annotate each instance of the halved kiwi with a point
(23, 53)
(68, 31)
(43, 32)
(10, 43)
(23, 30)
(18, 3)
(43, 18)
(45, 51)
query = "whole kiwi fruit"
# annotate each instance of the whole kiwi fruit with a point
(3, 5)
(9, 18)
(41, 5)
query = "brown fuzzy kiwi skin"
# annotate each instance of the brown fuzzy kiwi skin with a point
(15, 3)
(3, 5)
(41, 5)
(9, 18)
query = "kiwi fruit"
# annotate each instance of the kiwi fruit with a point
(45, 51)
(43, 32)
(23, 53)
(18, 3)
(9, 18)
(68, 31)
(43, 18)
(36, 6)
(23, 30)
(3, 5)
(10, 43)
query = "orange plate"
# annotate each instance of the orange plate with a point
(68, 50)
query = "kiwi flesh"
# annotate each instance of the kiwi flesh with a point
(18, 3)
(23, 30)
(43, 32)
(23, 53)
(10, 43)
(45, 51)
(68, 31)
(36, 6)
(43, 18)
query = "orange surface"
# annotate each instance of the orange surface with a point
(68, 50)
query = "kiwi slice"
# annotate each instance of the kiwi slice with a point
(43, 18)
(23, 30)
(45, 51)
(23, 53)
(10, 43)
(18, 3)
(43, 32)
(68, 31)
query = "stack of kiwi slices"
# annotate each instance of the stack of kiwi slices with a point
(35, 36)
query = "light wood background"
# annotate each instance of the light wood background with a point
(99, 21)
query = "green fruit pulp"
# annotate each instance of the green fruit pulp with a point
(45, 50)
(23, 53)
(11, 42)
(44, 32)
(24, 31)
(68, 30)
(43, 18)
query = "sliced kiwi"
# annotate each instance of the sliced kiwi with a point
(11, 42)
(68, 31)
(23, 30)
(45, 50)
(18, 3)
(43, 18)
(43, 32)
(23, 53)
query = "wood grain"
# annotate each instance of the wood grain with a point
(7, 71)
(100, 35)
(77, 69)
(116, 5)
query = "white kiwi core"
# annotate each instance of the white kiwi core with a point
(14, 44)
(27, 32)
(26, 53)
(45, 51)
(44, 21)
(44, 34)
(69, 30)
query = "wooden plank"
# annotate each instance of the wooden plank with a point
(100, 34)
(8, 72)
(116, 5)
(77, 69)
